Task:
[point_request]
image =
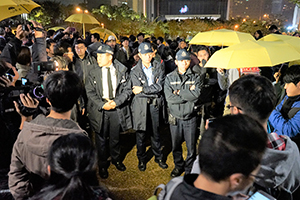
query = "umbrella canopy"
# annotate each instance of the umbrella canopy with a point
(103, 32)
(294, 41)
(221, 37)
(56, 28)
(82, 18)
(253, 54)
(10, 8)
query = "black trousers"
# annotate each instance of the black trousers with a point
(152, 129)
(184, 130)
(108, 140)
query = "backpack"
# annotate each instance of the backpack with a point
(166, 190)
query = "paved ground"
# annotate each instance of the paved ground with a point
(133, 184)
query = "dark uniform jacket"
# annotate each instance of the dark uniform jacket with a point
(209, 78)
(122, 57)
(82, 67)
(94, 90)
(182, 106)
(153, 93)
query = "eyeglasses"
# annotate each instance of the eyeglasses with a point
(229, 106)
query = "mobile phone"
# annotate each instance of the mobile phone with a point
(261, 195)
(24, 81)
(10, 71)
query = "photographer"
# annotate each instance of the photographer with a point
(10, 123)
(28, 168)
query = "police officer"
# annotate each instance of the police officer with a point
(182, 90)
(147, 79)
(108, 90)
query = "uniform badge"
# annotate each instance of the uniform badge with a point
(183, 54)
(146, 47)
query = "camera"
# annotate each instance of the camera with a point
(25, 27)
(9, 95)
(42, 67)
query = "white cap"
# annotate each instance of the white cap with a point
(111, 37)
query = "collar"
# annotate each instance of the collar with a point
(110, 66)
(145, 68)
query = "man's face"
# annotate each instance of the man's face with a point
(80, 49)
(182, 45)
(140, 38)
(112, 43)
(202, 55)
(50, 50)
(104, 59)
(147, 57)
(92, 39)
(292, 89)
(125, 43)
(183, 65)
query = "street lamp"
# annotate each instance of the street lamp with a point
(102, 25)
(236, 26)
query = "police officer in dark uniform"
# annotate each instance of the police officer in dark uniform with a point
(182, 90)
(108, 90)
(147, 79)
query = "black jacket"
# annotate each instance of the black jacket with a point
(93, 86)
(182, 106)
(155, 91)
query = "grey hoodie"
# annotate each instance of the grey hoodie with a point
(281, 168)
(29, 164)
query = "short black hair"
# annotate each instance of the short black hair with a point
(61, 47)
(161, 39)
(292, 74)
(50, 33)
(123, 39)
(96, 36)
(140, 34)
(49, 42)
(197, 48)
(62, 88)
(132, 38)
(232, 144)
(80, 42)
(273, 27)
(255, 95)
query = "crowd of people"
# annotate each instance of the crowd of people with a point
(66, 99)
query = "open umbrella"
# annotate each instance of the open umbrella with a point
(294, 41)
(56, 28)
(253, 54)
(103, 32)
(10, 8)
(82, 18)
(221, 37)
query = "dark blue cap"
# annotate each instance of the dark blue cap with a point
(145, 47)
(104, 48)
(183, 54)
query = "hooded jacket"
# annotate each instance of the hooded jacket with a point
(28, 167)
(281, 168)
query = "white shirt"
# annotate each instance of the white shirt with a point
(105, 91)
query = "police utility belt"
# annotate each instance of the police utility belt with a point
(152, 100)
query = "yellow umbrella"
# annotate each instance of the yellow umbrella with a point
(103, 32)
(10, 8)
(82, 18)
(56, 28)
(221, 37)
(294, 41)
(253, 54)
